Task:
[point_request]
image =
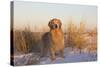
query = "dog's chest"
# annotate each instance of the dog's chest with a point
(57, 36)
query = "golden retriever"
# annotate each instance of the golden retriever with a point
(57, 38)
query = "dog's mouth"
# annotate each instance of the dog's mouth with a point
(54, 26)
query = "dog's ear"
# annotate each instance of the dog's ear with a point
(60, 24)
(49, 23)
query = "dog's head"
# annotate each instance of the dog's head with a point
(55, 24)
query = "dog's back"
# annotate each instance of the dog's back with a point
(46, 42)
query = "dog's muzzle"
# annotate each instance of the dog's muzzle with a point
(54, 26)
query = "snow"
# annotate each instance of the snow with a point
(70, 56)
(26, 59)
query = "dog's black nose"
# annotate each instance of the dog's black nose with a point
(54, 26)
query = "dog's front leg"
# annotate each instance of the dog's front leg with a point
(52, 54)
(62, 53)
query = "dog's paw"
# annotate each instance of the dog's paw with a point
(53, 59)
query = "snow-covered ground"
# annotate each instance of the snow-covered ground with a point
(70, 56)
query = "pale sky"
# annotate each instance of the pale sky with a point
(38, 15)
